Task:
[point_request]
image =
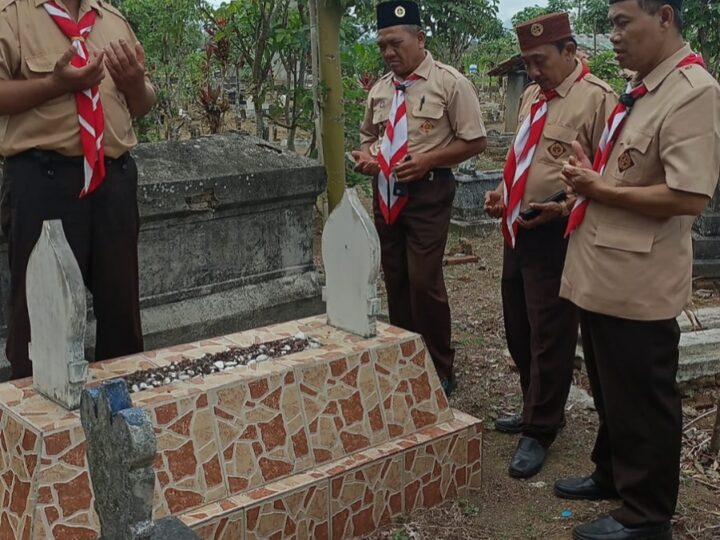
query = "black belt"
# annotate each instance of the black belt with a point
(50, 157)
(437, 174)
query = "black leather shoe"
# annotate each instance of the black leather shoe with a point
(509, 424)
(513, 424)
(608, 528)
(528, 459)
(583, 489)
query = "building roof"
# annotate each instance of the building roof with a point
(514, 63)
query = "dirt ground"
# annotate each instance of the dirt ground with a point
(488, 387)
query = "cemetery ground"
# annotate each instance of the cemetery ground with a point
(509, 509)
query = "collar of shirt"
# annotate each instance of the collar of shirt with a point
(423, 70)
(656, 77)
(565, 86)
(85, 5)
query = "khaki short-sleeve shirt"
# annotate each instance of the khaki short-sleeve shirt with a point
(441, 106)
(30, 45)
(629, 265)
(578, 113)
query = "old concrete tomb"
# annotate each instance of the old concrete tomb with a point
(295, 430)
(226, 239)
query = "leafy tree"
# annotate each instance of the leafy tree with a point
(171, 33)
(293, 43)
(702, 28)
(606, 67)
(253, 29)
(532, 12)
(454, 26)
(592, 17)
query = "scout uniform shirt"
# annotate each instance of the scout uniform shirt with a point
(578, 114)
(626, 264)
(30, 45)
(441, 106)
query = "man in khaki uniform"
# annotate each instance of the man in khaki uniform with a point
(629, 265)
(541, 328)
(66, 156)
(422, 118)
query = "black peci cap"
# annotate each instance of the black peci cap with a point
(397, 13)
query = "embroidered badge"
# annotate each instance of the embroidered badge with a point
(556, 150)
(426, 127)
(400, 12)
(537, 29)
(625, 161)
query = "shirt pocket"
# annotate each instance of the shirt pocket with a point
(559, 142)
(43, 64)
(632, 239)
(631, 164)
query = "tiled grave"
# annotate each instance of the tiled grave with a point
(325, 443)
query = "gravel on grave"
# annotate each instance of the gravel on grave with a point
(188, 368)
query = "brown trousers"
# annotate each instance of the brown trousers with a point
(541, 328)
(102, 230)
(632, 367)
(412, 261)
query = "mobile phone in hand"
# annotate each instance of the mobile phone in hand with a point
(401, 188)
(532, 213)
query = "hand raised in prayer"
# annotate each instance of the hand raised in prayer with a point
(126, 66)
(76, 79)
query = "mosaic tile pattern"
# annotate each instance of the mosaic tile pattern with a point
(226, 527)
(409, 388)
(338, 438)
(341, 406)
(261, 431)
(19, 450)
(435, 472)
(363, 500)
(188, 464)
(298, 515)
(63, 508)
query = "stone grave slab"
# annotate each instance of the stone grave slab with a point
(330, 442)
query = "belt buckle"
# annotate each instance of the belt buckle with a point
(431, 176)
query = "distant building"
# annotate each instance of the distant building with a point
(517, 78)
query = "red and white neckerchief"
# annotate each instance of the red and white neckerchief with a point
(611, 134)
(89, 106)
(517, 166)
(393, 150)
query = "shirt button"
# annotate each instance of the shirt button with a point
(50, 173)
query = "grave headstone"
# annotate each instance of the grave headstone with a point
(121, 449)
(56, 306)
(351, 253)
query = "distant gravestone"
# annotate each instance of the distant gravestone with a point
(121, 448)
(56, 305)
(351, 254)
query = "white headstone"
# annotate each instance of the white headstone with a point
(56, 305)
(351, 253)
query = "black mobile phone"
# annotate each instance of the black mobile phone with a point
(532, 213)
(401, 188)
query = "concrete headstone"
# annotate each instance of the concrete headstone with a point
(121, 448)
(351, 253)
(56, 305)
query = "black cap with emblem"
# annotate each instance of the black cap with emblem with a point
(674, 3)
(397, 13)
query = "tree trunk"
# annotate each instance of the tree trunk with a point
(259, 122)
(330, 13)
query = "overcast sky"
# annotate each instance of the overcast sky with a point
(508, 8)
